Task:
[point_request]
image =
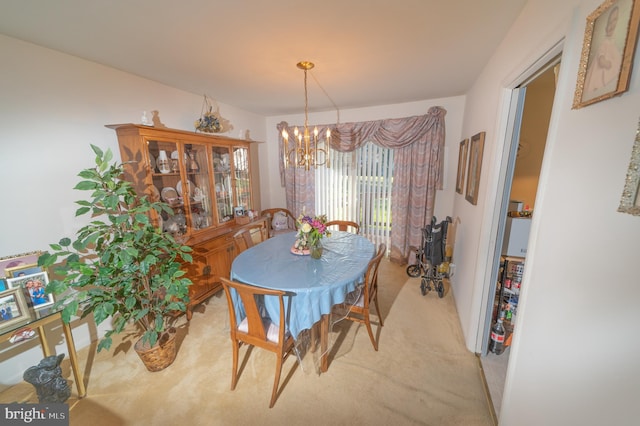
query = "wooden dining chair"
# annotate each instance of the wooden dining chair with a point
(249, 236)
(290, 225)
(359, 310)
(344, 225)
(256, 330)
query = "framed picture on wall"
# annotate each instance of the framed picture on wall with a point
(475, 165)
(607, 52)
(462, 165)
(630, 200)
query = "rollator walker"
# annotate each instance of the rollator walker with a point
(433, 257)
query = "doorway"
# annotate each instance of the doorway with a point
(532, 102)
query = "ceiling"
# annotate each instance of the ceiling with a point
(244, 52)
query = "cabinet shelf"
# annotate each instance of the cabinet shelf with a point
(508, 291)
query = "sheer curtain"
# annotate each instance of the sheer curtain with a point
(418, 144)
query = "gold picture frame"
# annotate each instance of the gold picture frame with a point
(607, 52)
(22, 270)
(10, 263)
(630, 200)
(13, 309)
(475, 166)
(462, 165)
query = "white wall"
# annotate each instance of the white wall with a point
(52, 107)
(574, 358)
(454, 106)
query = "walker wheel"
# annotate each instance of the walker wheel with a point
(424, 286)
(413, 270)
(440, 288)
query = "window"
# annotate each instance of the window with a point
(357, 187)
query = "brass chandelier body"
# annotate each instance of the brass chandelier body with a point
(308, 149)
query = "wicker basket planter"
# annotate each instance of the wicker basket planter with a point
(161, 355)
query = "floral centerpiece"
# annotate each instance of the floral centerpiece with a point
(310, 232)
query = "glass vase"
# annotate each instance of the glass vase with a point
(315, 250)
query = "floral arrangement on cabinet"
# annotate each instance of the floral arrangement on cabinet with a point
(310, 231)
(209, 121)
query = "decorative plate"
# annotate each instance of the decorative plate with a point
(299, 252)
(169, 195)
(179, 188)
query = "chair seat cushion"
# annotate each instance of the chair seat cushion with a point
(272, 329)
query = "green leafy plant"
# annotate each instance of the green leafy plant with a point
(119, 265)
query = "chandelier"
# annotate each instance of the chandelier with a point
(308, 149)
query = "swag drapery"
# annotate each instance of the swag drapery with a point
(418, 170)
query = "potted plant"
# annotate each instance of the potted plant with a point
(120, 265)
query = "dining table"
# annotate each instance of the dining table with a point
(312, 286)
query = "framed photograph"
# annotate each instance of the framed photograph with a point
(475, 165)
(607, 51)
(630, 200)
(23, 270)
(34, 286)
(13, 309)
(18, 260)
(462, 165)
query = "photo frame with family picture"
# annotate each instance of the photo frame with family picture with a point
(34, 286)
(13, 309)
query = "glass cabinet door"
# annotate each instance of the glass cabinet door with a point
(223, 185)
(242, 184)
(195, 190)
(165, 174)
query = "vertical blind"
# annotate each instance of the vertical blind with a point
(357, 187)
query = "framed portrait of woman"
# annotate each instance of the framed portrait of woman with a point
(607, 52)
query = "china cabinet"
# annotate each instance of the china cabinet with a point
(205, 179)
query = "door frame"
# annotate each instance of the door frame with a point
(514, 97)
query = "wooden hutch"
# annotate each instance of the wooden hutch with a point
(205, 179)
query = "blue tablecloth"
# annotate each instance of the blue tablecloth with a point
(314, 285)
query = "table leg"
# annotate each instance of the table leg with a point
(324, 343)
(73, 359)
(43, 341)
(314, 337)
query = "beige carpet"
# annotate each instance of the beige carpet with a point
(421, 375)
